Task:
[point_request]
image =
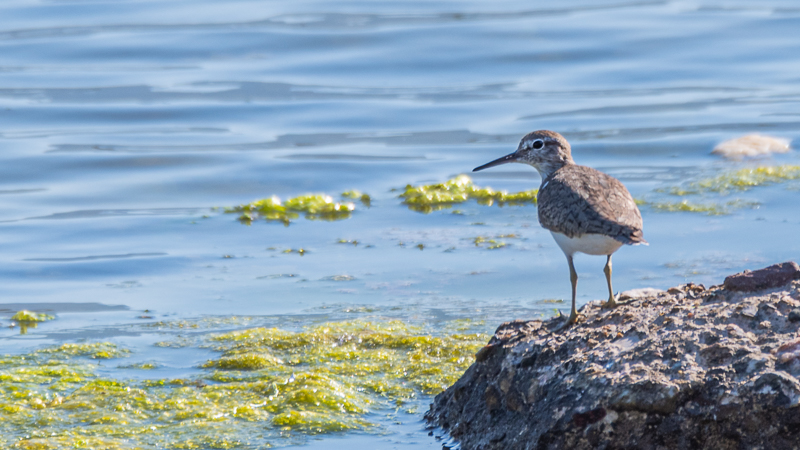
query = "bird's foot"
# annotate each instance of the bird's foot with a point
(610, 304)
(573, 318)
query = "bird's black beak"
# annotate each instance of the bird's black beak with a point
(505, 159)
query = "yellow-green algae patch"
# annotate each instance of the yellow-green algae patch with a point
(434, 197)
(97, 350)
(267, 385)
(739, 180)
(30, 316)
(313, 206)
(244, 361)
(365, 199)
(492, 243)
(140, 366)
(205, 323)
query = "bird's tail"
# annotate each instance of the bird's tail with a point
(634, 237)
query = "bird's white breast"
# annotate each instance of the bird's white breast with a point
(591, 244)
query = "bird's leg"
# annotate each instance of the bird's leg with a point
(573, 278)
(611, 303)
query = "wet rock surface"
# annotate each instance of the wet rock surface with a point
(686, 368)
(766, 278)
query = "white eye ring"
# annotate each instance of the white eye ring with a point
(537, 144)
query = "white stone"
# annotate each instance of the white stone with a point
(751, 145)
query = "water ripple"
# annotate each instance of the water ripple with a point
(315, 21)
(99, 213)
(247, 92)
(96, 257)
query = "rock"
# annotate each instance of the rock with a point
(750, 311)
(751, 145)
(664, 370)
(776, 275)
(789, 351)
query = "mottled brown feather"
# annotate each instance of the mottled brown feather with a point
(576, 200)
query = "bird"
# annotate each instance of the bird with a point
(586, 211)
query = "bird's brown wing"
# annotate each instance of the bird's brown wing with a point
(577, 200)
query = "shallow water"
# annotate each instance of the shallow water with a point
(125, 123)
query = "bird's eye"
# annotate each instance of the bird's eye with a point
(537, 144)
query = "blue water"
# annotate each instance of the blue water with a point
(123, 123)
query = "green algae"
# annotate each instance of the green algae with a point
(429, 363)
(30, 316)
(739, 180)
(492, 243)
(204, 323)
(268, 386)
(139, 366)
(488, 243)
(29, 319)
(244, 361)
(365, 199)
(312, 206)
(721, 185)
(97, 350)
(713, 190)
(550, 300)
(711, 209)
(343, 277)
(461, 325)
(435, 197)
(178, 342)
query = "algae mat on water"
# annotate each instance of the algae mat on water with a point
(268, 387)
(313, 206)
(424, 198)
(739, 180)
(711, 209)
(434, 197)
(715, 189)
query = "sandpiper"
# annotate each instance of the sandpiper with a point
(585, 210)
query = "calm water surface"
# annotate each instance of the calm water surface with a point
(123, 123)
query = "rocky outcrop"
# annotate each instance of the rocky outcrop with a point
(769, 277)
(686, 368)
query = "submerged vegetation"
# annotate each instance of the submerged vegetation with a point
(739, 180)
(268, 386)
(434, 197)
(711, 209)
(492, 243)
(713, 190)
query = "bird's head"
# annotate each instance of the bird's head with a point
(545, 150)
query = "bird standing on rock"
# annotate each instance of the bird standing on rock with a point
(585, 210)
